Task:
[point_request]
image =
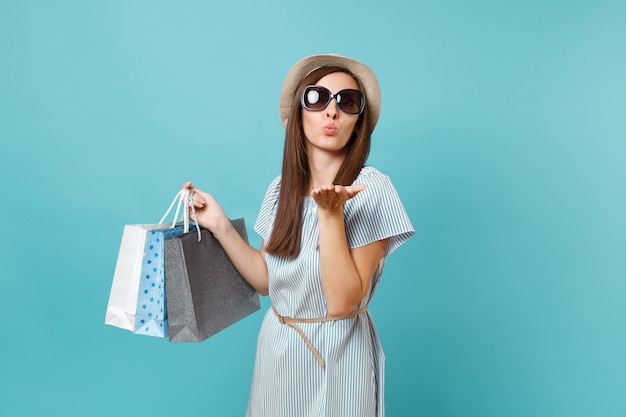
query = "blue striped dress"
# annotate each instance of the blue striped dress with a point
(287, 380)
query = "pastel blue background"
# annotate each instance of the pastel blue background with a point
(503, 128)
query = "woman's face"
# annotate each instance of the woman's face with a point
(330, 129)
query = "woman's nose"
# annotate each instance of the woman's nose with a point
(331, 110)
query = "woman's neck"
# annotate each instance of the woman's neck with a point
(323, 167)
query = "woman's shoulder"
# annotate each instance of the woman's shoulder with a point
(379, 193)
(275, 183)
(273, 189)
(371, 176)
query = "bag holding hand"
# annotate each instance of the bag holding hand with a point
(141, 254)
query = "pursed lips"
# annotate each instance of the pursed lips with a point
(330, 129)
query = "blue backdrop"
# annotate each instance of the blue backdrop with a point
(503, 128)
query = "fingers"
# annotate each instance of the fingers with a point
(199, 200)
(355, 189)
(330, 189)
(333, 197)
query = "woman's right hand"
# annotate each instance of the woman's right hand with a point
(208, 213)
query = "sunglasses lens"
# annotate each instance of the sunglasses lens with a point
(315, 98)
(350, 101)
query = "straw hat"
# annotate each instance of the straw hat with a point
(305, 66)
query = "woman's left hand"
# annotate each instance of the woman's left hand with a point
(332, 198)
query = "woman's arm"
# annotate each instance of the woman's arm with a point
(248, 261)
(346, 273)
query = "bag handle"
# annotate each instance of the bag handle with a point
(184, 198)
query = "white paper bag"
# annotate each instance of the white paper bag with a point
(125, 287)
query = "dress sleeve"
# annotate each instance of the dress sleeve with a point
(377, 213)
(267, 212)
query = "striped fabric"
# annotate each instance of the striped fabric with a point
(287, 379)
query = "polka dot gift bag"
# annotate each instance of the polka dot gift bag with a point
(151, 317)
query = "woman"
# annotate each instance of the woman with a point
(327, 223)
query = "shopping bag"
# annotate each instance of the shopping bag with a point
(122, 304)
(205, 293)
(151, 315)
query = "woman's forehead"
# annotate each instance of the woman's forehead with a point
(336, 81)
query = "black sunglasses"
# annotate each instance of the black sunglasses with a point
(316, 98)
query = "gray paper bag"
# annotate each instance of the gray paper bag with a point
(204, 292)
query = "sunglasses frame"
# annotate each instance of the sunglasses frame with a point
(331, 96)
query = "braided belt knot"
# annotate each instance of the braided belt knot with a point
(293, 322)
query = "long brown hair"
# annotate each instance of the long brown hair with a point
(287, 230)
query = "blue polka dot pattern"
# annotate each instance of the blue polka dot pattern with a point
(151, 315)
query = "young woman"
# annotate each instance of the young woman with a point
(327, 222)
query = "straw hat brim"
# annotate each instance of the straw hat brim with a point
(302, 68)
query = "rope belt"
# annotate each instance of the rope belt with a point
(293, 322)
